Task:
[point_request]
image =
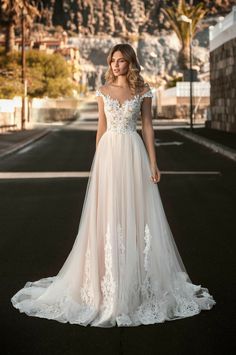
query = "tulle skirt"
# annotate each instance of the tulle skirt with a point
(124, 268)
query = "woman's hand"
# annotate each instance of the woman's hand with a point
(156, 175)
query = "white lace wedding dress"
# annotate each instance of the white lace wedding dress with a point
(124, 268)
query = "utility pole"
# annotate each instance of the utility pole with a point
(188, 20)
(191, 77)
(23, 69)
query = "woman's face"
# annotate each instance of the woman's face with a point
(118, 64)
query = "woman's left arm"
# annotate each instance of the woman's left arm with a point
(148, 137)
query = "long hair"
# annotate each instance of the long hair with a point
(134, 78)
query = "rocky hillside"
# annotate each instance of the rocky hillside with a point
(94, 26)
(116, 17)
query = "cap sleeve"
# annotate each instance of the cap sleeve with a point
(98, 93)
(147, 94)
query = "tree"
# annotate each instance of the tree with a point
(47, 75)
(11, 12)
(182, 29)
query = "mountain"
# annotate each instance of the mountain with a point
(94, 26)
(116, 17)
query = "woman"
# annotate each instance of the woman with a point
(124, 268)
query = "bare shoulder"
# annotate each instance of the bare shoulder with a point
(104, 89)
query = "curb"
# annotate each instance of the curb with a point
(216, 147)
(23, 144)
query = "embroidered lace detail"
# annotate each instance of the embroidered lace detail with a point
(182, 300)
(122, 118)
(108, 285)
(60, 310)
(185, 307)
(63, 308)
(121, 256)
(147, 239)
(147, 94)
(151, 309)
(146, 286)
(86, 292)
(121, 240)
(98, 93)
(48, 310)
(145, 302)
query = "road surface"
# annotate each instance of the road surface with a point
(40, 205)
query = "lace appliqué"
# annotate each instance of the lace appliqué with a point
(121, 246)
(122, 118)
(108, 285)
(61, 308)
(146, 287)
(86, 292)
(151, 309)
(149, 303)
(121, 259)
(147, 239)
(147, 94)
(182, 300)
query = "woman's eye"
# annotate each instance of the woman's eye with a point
(121, 60)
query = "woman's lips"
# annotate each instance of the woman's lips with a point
(116, 70)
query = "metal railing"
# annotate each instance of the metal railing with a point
(224, 24)
(200, 89)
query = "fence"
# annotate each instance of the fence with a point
(37, 110)
(10, 113)
(224, 31)
(174, 102)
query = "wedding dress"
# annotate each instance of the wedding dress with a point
(124, 268)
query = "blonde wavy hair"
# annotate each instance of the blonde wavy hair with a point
(134, 78)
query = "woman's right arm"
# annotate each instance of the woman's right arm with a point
(102, 124)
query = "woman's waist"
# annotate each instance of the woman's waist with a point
(121, 128)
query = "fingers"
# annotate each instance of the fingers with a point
(156, 175)
(156, 178)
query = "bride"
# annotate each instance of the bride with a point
(124, 268)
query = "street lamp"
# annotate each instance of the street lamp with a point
(184, 18)
(154, 106)
(23, 68)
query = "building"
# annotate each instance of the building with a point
(223, 74)
(174, 102)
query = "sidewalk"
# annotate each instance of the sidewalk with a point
(219, 141)
(227, 139)
(12, 141)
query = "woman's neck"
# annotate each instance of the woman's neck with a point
(121, 81)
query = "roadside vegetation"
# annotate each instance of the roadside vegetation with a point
(47, 75)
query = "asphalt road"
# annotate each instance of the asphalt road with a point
(39, 221)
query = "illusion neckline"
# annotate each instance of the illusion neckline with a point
(121, 104)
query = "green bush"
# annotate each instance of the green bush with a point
(47, 75)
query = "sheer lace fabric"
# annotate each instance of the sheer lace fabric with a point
(123, 117)
(124, 268)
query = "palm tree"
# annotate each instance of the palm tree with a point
(11, 12)
(183, 29)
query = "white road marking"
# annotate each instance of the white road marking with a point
(83, 174)
(190, 172)
(157, 143)
(24, 150)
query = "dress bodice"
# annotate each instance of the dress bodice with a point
(122, 117)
